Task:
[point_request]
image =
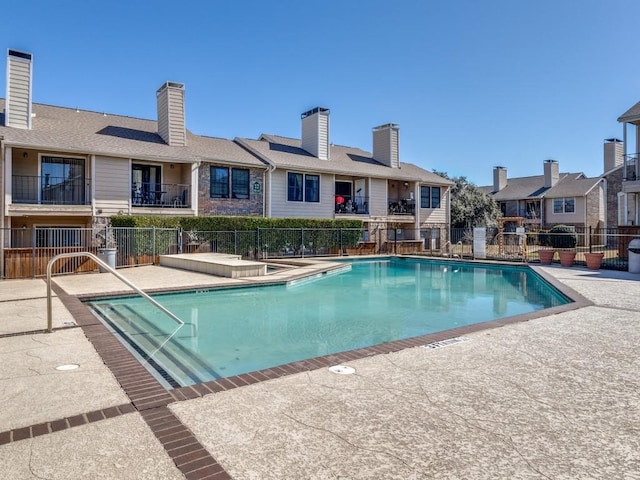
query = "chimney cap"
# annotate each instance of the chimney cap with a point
(313, 111)
(16, 53)
(386, 125)
(550, 161)
(170, 85)
(613, 140)
(499, 167)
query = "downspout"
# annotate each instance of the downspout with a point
(269, 170)
(3, 175)
(606, 203)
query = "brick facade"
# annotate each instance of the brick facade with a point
(253, 206)
(614, 186)
(595, 215)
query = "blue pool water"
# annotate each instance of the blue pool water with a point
(234, 331)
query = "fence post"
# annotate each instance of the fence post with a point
(179, 239)
(235, 242)
(341, 248)
(258, 245)
(302, 241)
(153, 233)
(33, 250)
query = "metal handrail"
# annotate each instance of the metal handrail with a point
(108, 269)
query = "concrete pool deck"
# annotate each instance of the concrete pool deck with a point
(552, 397)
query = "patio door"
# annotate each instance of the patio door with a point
(145, 181)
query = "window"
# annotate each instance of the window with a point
(62, 180)
(435, 197)
(222, 183)
(294, 187)
(312, 188)
(564, 205)
(303, 188)
(239, 183)
(219, 182)
(429, 197)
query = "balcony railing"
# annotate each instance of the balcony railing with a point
(352, 205)
(48, 190)
(402, 207)
(630, 172)
(165, 195)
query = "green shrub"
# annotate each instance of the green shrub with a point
(560, 236)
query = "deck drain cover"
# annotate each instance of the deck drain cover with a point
(342, 369)
(64, 368)
(446, 343)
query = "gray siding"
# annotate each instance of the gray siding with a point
(386, 145)
(112, 184)
(171, 118)
(436, 215)
(282, 208)
(378, 197)
(315, 134)
(18, 107)
(575, 218)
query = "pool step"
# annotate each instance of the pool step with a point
(160, 348)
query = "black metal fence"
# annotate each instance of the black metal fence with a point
(25, 252)
(514, 246)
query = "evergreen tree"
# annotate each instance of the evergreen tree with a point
(470, 206)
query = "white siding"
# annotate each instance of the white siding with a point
(112, 184)
(282, 208)
(378, 205)
(18, 107)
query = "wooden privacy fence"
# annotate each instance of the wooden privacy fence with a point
(32, 262)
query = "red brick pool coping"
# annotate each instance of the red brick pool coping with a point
(151, 399)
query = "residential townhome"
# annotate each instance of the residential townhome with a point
(312, 178)
(550, 199)
(629, 205)
(66, 167)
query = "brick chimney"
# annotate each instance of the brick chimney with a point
(551, 173)
(18, 102)
(613, 153)
(386, 144)
(499, 178)
(315, 132)
(171, 120)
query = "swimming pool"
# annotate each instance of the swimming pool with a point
(233, 331)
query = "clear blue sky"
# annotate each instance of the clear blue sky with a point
(472, 83)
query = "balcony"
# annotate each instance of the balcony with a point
(630, 177)
(402, 207)
(48, 190)
(630, 172)
(351, 205)
(160, 195)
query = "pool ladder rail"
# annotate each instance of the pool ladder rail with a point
(107, 268)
